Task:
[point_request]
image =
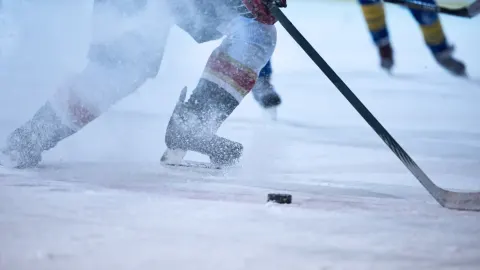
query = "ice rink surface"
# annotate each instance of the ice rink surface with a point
(101, 200)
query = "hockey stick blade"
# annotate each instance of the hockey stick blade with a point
(450, 199)
(468, 11)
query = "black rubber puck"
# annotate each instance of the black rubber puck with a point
(279, 198)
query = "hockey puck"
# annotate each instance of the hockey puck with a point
(279, 198)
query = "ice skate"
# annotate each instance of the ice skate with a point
(447, 61)
(266, 96)
(20, 152)
(192, 127)
(25, 145)
(386, 57)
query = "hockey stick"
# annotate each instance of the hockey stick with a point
(468, 11)
(449, 199)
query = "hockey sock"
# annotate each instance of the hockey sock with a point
(266, 71)
(374, 14)
(431, 29)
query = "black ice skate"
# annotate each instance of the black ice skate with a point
(26, 144)
(386, 57)
(193, 125)
(265, 94)
(454, 66)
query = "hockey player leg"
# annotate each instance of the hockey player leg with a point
(264, 91)
(73, 106)
(374, 14)
(24, 146)
(117, 67)
(230, 74)
(437, 42)
(194, 123)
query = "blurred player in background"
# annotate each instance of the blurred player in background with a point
(435, 39)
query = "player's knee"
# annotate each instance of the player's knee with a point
(251, 43)
(235, 65)
(269, 43)
(93, 91)
(264, 38)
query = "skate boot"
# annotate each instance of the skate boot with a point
(386, 57)
(25, 145)
(446, 60)
(193, 126)
(265, 94)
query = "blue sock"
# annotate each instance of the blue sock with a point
(266, 70)
(431, 29)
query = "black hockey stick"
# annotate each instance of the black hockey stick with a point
(468, 11)
(449, 199)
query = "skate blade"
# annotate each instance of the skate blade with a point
(194, 165)
(175, 158)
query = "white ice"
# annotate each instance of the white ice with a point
(102, 201)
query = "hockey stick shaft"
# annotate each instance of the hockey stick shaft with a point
(468, 11)
(415, 4)
(443, 197)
